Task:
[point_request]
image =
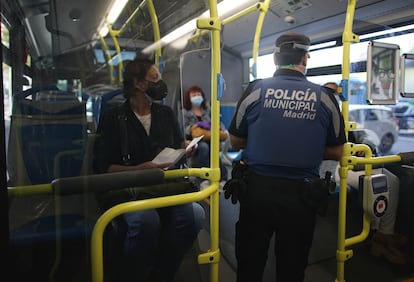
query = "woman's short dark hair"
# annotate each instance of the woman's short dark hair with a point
(187, 100)
(134, 70)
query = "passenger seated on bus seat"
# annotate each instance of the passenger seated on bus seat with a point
(196, 112)
(129, 137)
(385, 242)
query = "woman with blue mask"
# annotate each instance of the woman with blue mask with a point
(196, 114)
(197, 100)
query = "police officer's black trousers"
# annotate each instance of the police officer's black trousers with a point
(269, 206)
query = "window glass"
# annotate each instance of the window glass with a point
(333, 56)
(353, 116)
(125, 55)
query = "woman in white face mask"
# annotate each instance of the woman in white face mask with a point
(196, 113)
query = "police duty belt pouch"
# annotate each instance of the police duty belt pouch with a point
(317, 192)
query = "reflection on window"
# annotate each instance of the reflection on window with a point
(5, 38)
(7, 90)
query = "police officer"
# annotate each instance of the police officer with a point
(286, 126)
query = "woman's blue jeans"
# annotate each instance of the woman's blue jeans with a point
(157, 239)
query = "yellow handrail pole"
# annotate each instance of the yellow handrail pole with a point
(156, 30)
(154, 22)
(248, 10)
(366, 221)
(242, 13)
(29, 190)
(131, 17)
(264, 7)
(114, 35)
(341, 254)
(107, 59)
(214, 25)
(110, 214)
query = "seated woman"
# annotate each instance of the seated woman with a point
(196, 113)
(129, 137)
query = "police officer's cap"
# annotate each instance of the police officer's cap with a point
(292, 41)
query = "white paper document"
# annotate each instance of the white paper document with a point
(193, 143)
(170, 155)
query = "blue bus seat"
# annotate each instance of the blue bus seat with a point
(93, 104)
(48, 134)
(61, 222)
(227, 112)
(228, 153)
(109, 100)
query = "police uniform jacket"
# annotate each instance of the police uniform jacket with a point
(287, 121)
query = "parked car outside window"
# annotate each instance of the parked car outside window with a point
(379, 119)
(404, 112)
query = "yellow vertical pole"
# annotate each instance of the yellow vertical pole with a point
(264, 7)
(156, 30)
(114, 34)
(215, 127)
(348, 36)
(107, 59)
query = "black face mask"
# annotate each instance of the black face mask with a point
(157, 90)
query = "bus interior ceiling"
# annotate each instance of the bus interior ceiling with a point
(63, 34)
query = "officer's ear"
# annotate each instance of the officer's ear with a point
(304, 60)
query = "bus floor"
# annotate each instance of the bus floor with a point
(362, 267)
(191, 271)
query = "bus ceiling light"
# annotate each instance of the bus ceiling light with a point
(224, 9)
(104, 30)
(289, 20)
(179, 32)
(116, 9)
(227, 7)
(112, 16)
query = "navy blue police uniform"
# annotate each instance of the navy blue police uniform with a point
(287, 122)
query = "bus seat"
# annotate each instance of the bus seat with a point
(228, 154)
(48, 134)
(93, 106)
(109, 100)
(53, 233)
(44, 226)
(226, 113)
